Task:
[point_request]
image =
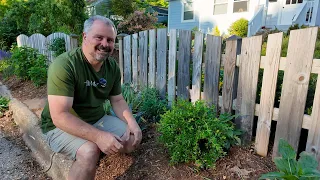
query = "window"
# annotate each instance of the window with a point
(273, 1)
(293, 1)
(188, 12)
(220, 7)
(240, 6)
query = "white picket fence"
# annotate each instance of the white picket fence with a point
(40, 42)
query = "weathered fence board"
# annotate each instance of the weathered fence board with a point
(295, 86)
(269, 84)
(184, 64)
(39, 42)
(172, 66)
(143, 58)
(313, 142)
(22, 40)
(228, 76)
(196, 70)
(152, 58)
(135, 59)
(212, 70)
(127, 59)
(161, 82)
(247, 87)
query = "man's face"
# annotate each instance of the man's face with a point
(99, 41)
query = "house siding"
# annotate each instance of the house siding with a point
(175, 15)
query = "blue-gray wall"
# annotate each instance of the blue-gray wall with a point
(174, 21)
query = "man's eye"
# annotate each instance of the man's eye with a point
(99, 38)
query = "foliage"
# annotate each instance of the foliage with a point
(239, 28)
(4, 102)
(291, 169)
(194, 133)
(146, 3)
(123, 7)
(40, 16)
(58, 46)
(215, 31)
(4, 54)
(138, 21)
(29, 64)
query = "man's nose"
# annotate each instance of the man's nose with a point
(104, 43)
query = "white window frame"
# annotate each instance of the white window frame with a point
(297, 2)
(248, 5)
(219, 4)
(182, 11)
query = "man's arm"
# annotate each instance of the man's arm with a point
(121, 109)
(62, 118)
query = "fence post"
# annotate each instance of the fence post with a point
(120, 37)
(73, 41)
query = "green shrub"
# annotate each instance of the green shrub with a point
(4, 102)
(194, 133)
(58, 46)
(215, 31)
(239, 28)
(291, 169)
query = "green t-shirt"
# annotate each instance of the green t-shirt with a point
(72, 75)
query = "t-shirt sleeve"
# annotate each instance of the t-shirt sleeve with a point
(60, 79)
(116, 89)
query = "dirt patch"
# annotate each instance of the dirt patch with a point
(151, 160)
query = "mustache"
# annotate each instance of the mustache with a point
(106, 49)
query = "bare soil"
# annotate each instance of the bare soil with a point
(151, 160)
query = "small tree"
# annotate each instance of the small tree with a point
(215, 31)
(123, 7)
(138, 21)
(239, 28)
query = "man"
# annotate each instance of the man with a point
(79, 82)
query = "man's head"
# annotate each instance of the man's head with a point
(99, 35)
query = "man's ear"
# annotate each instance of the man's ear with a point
(84, 35)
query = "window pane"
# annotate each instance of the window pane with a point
(220, 9)
(272, 1)
(294, 1)
(300, 1)
(288, 1)
(220, 1)
(188, 6)
(188, 15)
(241, 6)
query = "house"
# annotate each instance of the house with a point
(101, 7)
(206, 14)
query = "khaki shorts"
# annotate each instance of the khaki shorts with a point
(67, 144)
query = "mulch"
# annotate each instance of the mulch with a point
(151, 160)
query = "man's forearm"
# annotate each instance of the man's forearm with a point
(122, 110)
(75, 126)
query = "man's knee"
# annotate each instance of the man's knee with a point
(88, 152)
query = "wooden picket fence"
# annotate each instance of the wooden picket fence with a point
(146, 59)
(40, 42)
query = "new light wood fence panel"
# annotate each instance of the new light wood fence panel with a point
(39, 42)
(295, 86)
(313, 142)
(53, 36)
(268, 90)
(172, 66)
(162, 62)
(196, 70)
(228, 76)
(127, 59)
(247, 87)
(22, 40)
(152, 58)
(184, 64)
(212, 70)
(135, 77)
(143, 58)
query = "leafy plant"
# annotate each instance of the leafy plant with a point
(291, 169)
(239, 28)
(195, 133)
(58, 46)
(215, 31)
(4, 102)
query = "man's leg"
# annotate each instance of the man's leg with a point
(86, 161)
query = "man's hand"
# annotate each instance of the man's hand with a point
(109, 143)
(136, 131)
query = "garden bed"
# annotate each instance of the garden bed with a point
(151, 160)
